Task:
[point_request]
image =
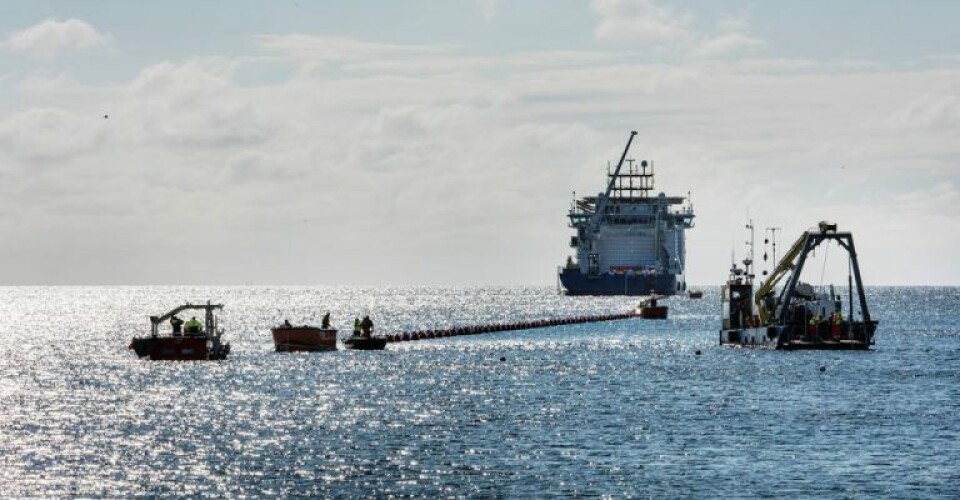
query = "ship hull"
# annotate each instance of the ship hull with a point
(304, 338)
(177, 348)
(654, 312)
(577, 283)
(855, 337)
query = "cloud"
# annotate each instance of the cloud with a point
(39, 85)
(776, 65)
(453, 173)
(640, 21)
(931, 112)
(51, 38)
(649, 23)
(46, 134)
(723, 44)
(941, 198)
(339, 49)
(193, 104)
(487, 8)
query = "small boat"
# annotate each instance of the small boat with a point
(650, 308)
(288, 338)
(695, 294)
(651, 312)
(203, 343)
(365, 343)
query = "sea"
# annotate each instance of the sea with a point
(618, 409)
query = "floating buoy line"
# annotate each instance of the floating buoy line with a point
(457, 331)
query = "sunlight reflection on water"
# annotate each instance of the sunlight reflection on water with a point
(616, 408)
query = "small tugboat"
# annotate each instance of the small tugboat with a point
(289, 338)
(695, 294)
(197, 341)
(798, 317)
(650, 308)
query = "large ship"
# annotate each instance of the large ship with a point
(628, 241)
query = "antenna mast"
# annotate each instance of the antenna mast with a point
(773, 239)
(748, 262)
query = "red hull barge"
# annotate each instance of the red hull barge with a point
(177, 348)
(304, 338)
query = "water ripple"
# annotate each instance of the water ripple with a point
(620, 408)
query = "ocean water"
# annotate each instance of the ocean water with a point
(620, 409)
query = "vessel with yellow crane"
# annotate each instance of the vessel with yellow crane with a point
(796, 315)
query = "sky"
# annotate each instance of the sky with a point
(384, 143)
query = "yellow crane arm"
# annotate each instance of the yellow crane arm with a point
(785, 264)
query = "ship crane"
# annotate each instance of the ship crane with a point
(602, 202)
(798, 252)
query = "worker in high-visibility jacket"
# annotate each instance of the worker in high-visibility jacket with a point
(813, 325)
(193, 326)
(837, 318)
(356, 327)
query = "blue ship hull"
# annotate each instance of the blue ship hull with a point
(577, 283)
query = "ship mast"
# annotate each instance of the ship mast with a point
(602, 202)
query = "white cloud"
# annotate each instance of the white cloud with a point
(723, 44)
(640, 21)
(339, 49)
(194, 104)
(930, 112)
(776, 65)
(461, 173)
(39, 85)
(650, 23)
(51, 38)
(941, 198)
(488, 8)
(45, 134)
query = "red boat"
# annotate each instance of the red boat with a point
(304, 338)
(203, 343)
(650, 309)
(650, 312)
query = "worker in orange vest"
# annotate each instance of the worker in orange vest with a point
(836, 321)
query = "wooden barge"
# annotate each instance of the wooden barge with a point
(304, 338)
